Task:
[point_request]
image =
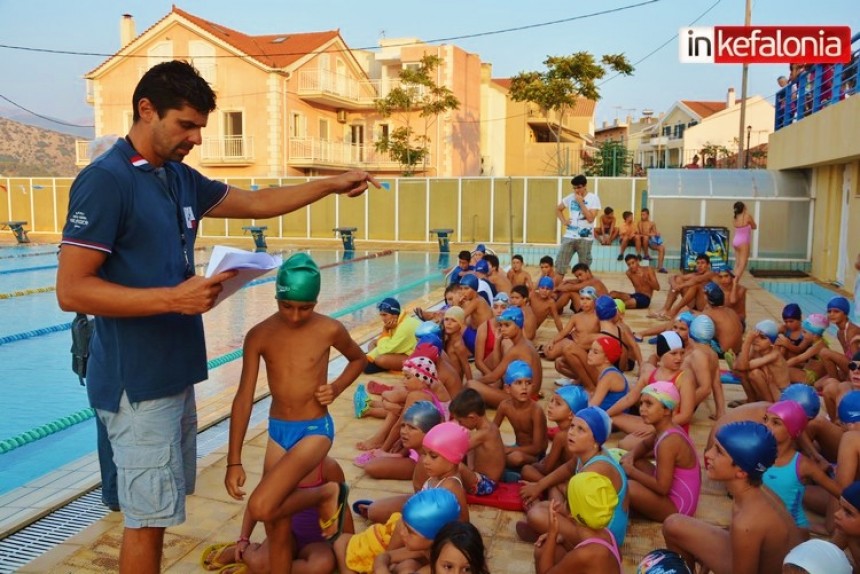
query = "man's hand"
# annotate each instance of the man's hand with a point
(354, 183)
(197, 294)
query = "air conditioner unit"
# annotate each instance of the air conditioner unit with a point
(341, 116)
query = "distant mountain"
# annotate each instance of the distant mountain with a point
(23, 117)
(28, 151)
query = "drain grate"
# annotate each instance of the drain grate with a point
(36, 539)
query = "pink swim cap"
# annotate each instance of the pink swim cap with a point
(792, 414)
(450, 440)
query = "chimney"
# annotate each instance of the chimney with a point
(126, 30)
(628, 120)
(730, 98)
(605, 124)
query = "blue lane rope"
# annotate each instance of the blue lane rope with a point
(82, 415)
(35, 333)
(26, 269)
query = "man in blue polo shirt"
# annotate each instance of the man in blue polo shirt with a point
(127, 257)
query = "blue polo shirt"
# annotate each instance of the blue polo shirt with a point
(136, 214)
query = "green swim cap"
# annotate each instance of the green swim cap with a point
(298, 279)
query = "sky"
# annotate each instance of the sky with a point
(52, 84)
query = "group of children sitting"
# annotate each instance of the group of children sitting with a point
(776, 454)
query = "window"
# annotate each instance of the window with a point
(678, 132)
(298, 125)
(161, 52)
(232, 128)
(324, 129)
(411, 65)
(667, 130)
(383, 131)
(203, 58)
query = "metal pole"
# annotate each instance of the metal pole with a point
(744, 74)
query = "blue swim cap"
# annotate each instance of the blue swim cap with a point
(575, 397)
(686, 317)
(791, 311)
(546, 283)
(768, 328)
(840, 303)
(702, 329)
(750, 444)
(422, 415)
(481, 247)
(482, 266)
(517, 370)
(428, 328)
(427, 511)
(849, 407)
(605, 308)
(431, 339)
(389, 305)
(470, 281)
(805, 396)
(514, 315)
(662, 561)
(598, 421)
(715, 295)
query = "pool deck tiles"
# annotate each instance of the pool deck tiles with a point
(214, 517)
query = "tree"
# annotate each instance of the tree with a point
(711, 154)
(566, 78)
(416, 93)
(611, 159)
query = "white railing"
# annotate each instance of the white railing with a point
(313, 82)
(313, 150)
(227, 149)
(82, 152)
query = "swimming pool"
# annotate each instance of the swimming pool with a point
(811, 297)
(40, 386)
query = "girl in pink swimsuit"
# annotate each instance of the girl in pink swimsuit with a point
(744, 224)
(672, 485)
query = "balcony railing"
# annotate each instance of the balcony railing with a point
(82, 152)
(816, 87)
(230, 150)
(324, 153)
(323, 83)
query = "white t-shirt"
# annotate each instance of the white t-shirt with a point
(578, 221)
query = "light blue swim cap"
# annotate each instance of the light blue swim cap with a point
(514, 315)
(686, 317)
(517, 370)
(575, 397)
(768, 328)
(428, 328)
(702, 329)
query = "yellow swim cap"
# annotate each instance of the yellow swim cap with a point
(592, 499)
(298, 279)
(457, 314)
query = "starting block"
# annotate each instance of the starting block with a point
(17, 228)
(258, 233)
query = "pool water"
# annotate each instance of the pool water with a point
(811, 297)
(40, 387)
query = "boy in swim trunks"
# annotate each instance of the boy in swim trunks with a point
(568, 291)
(627, 233)
(644, 282)
(606, 230)
(294, 343)
(517, 275)
(486, 459)
(761, 531)
(848, 333)
(543, 303)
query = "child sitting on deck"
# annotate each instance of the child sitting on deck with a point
(486, 460)
(416, 421)
(673, 483)
(295, 344)
(525, 416)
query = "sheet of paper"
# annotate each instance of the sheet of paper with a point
(249, 264)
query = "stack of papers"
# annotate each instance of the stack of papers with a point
(250, 265)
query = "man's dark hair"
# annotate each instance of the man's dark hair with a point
(608, 211)
(172, 85)
(703, 257)
(464, 256)
(492, 260)
(630, 256)
(579, 180)
(467, 402)
(452, 287)
(522, 290)
(581, 267)
(518, 257)
(546, 259)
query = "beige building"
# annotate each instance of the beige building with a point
(293, 104)
(690, 126)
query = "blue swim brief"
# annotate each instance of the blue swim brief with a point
(289, 433)
(642, 301)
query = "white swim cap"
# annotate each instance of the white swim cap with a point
(819, 557)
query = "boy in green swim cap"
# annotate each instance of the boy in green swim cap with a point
(294, 343)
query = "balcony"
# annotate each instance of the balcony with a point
(321, 154)
(227, 150)
(340, 91)
(82, 152)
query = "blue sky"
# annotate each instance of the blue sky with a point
(52, 84)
